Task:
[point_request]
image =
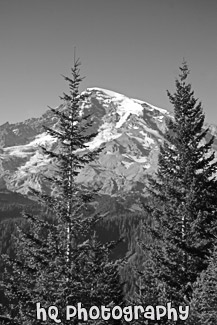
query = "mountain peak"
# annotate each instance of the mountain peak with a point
(115, 96)
(129, 130)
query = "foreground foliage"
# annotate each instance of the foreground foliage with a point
(204, 300)
(183, 204)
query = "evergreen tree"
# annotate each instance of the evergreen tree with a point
(182, 201)
(204, 300)
(59, 261)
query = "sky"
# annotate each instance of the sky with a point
(134, 47)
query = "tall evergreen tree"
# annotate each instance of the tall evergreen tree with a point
(59, 261)
(182, 201)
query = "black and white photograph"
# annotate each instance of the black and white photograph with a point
(108, 162)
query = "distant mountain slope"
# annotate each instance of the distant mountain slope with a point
(12, 204)
(130, 131)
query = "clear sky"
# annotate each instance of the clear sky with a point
(130, 46)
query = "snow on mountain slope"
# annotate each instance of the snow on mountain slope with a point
(129, 130)
(119, 111)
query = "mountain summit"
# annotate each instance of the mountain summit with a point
(129, 130)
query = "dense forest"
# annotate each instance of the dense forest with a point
(59, 250)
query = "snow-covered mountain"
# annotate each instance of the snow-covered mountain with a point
(130, 131)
